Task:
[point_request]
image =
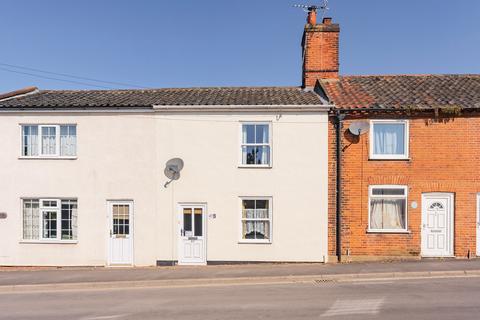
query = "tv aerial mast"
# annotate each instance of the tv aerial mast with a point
(309, 8)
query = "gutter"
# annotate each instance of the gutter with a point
(242, 108)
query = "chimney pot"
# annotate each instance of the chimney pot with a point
(327, 20)
(312, 17)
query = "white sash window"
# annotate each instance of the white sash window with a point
(256, 224)
(256, 144)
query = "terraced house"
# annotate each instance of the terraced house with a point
(85, 176)
(403, 156)
(339, 168)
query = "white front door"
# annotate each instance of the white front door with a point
(120, 242)
(437, 225)
(192, 239)
(478, 224)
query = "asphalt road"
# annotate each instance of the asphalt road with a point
(457, 298)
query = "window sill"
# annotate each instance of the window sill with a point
(389, 232)
(48, 241)
(254, 242)
(389, 159)
(48, 158)
(254, 166)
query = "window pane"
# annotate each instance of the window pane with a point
(261, 133)
(121, 219)
(30, 219)
(30, 141)
(69, 217)
(68, 140)
(49, 224)
(187, 219)
(49, 140)
(250, 155)
(198, 222)
(387, 214)
(388, 191)
(262, 230)
(262, 155)
(389, 138)
(248, 133)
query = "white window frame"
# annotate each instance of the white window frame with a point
(270, 144)
(404, 156)
(270, 219)
(40, 154)
(405, 196)
(41, 209)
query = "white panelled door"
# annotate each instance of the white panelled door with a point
(192, 231)
(120, 220)
(478, 224)
(437, 225)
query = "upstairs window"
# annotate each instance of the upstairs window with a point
(389, 139)
(256, 147)
(49, 140)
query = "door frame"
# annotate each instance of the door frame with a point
(180, 206)
(450, 223)
(131, 231)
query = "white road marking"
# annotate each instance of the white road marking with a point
(351, 307)
(115, 316)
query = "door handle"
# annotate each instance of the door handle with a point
(111, 233)
(182, 233)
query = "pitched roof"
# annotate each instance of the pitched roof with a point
(404, 91)
(240, 96)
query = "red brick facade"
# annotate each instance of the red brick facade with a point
(444, 157)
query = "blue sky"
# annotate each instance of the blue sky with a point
(191, 43)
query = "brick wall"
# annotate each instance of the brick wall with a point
(321, 52)
(444, 157)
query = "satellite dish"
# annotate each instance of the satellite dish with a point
(172, 169)
(358, 128)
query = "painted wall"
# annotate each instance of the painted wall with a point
(122, 156)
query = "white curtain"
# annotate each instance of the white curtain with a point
(48, 140)
(68, 141)
(389, 138)
(387, 214)
(31, 219)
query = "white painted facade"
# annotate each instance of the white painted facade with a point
(121, 157)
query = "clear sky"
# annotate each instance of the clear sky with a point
(189, 43)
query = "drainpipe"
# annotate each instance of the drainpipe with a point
(338, 126)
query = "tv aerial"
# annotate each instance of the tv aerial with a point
(172, 170)
(309, 8)
(359, 128)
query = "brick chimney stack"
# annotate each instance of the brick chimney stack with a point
(320, 50)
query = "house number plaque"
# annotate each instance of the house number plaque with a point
(3, 215)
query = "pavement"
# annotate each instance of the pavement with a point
(41, 279)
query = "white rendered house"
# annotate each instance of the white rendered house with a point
(83, 178)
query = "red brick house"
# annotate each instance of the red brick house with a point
(408, 148)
